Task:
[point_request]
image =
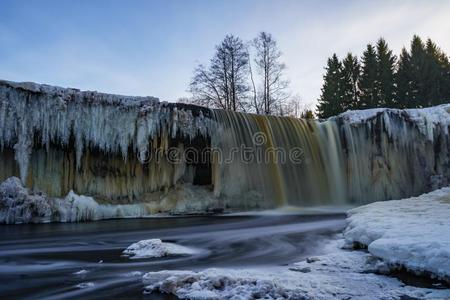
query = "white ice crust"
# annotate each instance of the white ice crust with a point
(341, 274)
(427, 119)
(20, 205)
(156, 248)
(413, 233)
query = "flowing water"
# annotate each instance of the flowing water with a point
(128, 150)
(40, 261)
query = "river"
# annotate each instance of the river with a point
(41, 260)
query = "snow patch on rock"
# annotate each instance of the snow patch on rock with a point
(412, 233)
(156, 248)
(427, 119)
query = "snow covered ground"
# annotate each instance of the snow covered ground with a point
(341, 274)
(413, 233)
(156, 248)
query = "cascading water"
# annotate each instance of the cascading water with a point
(182, 158)
(285, 160)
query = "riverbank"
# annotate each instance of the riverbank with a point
(409, 236)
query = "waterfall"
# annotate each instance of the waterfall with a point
(286, 161)
(184, 158)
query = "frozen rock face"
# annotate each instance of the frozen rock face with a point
(115, 148)
(393, 153)
(124, 150)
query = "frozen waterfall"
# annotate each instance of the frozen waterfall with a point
(184, 158)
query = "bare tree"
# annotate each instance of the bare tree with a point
(223, 84)
(273, 90)
(295, 107)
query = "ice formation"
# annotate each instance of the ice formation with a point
(177, 158)
(21, 205)
(412, 233)
(72, 136)
(339, 275)
(156, 248)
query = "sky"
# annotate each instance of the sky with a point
(151, 47)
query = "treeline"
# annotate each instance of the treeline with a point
(416, 78)
(245, 76)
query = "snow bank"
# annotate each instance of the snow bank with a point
(156, 248)
(339, 275)
(414, 232)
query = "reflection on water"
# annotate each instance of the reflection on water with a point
(39, 261)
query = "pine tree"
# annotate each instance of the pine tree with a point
(385, 75)
(417, 83)
(329, 101)
(368, 79)
(445, 71)
(403, 81)
(433, 81)
(349, 82)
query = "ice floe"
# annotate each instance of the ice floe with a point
(156, 248)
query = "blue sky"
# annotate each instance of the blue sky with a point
(151, 47)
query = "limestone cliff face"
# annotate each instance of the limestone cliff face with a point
(393, 154)
(122, 150)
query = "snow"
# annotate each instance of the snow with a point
(341, 274)
(81, 272)
(85, 285)
(426, 119)
(413, 233)
(360, 116)
(156, 248)
(21, 205)
(17, 205)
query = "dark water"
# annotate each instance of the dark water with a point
(39, 261)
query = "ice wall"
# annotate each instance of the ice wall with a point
(126, 150)
(115, 148)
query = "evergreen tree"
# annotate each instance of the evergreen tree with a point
(368, 79)
(349, 82)
(385, 88)
(433, 81)
(445, 71)
(403, 81)
(329, 101)
(418, 62)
